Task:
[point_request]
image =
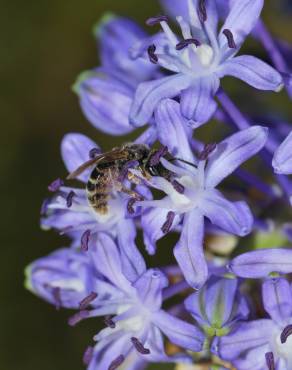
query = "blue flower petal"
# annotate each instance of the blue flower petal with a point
(277, 298)
(240, 21)
(253, 71)
(149, 288)
(261, 263)
(247, 336)
(149, 94)
(173, 130)
(282, 161)
(180, 332)
(189, 251)
(232, 152)
(75, 150)
(234, 217)
(132, 260)
(197, 102)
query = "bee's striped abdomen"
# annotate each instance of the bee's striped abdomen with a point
(98, 189)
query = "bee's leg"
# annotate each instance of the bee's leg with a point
(134, 179)
(133, 194)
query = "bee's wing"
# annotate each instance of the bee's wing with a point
(113, 155)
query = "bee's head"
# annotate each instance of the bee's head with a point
(137, 152)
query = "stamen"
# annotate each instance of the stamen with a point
(117, 362)
(270, 360)
(168, 223)
(208, 149)
(44, 207)
(178, 187)
(156, 20)
(151, 53)
(202, 12)
(230, 38)
(55, 185)
(56, 293)
(286, 333)
(69, 199)
(130, 205)
(94, 152)
(139, 346)
(79, 316)
(155, 158)
(184, 43)
(85, 240)
(87, 300)
(109, 322)
(88, 354)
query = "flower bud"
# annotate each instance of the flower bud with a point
(105, 102)
(217, 306)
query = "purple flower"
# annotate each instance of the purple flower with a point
(116, 37)
(70, 213)
(63, 278)
(200, 59)
(264, 343)
(136, 319)
(98, 284)
(98, 93)
(192, 196)
(282, 161)
(262, 263)
(217, 306)
(113, 84)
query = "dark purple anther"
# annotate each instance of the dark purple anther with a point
(155, 158)
(79, 316)
(184, 43)
(286, 333)
(55, 185)
(178, 187)
(85, 240)
(69, 199)
(56, 293)
(168, 223)
(202, 12)
(88, 354)
(130, 206)
(208, 149)
(139, 346)
(230, 38)
(109, 322)
(44, 207)
(117, 362)
(156, 20)
(151, 53)
(94, 152)
(87, 300)
(270, 360)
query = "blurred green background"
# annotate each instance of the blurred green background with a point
(44, 46)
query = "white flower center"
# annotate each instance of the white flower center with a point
(134, 323)
(205, 54)
(284, 349)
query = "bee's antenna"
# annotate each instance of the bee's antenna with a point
(183, 161)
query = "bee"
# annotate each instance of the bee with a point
(111, 169)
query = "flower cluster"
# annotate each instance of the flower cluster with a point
(225, 229)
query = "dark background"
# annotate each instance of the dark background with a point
(44, 45)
